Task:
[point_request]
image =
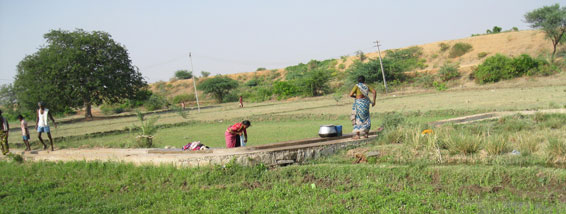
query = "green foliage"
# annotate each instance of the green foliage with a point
(218, 87)
(497, 145)
(309, 79)
(556, 147)
(260, 69)
(315, 82)
(500, 67)
(360, 54)
(551, 20)
(183, 74)
(459, 49)
(425, 80)
(155, 102)
(108, 109)
(205, 73)
(515, 29)
(253, 82)
(443, 47)
(494, 69)
(395, 63)
(481, 55)
(184, 98)
(494, 30)
(392, 120)
(76, 69)
(440, 86)
(285, 89)
(260, 93)
(460, 143)
(449, 71)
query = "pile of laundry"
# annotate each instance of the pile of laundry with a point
(195, 146)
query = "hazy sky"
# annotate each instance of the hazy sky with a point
(240, 36)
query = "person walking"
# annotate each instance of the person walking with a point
(241, 102)
(25, 131)
(233, 133)
(41, 123)
(4, 134)
(360, 110)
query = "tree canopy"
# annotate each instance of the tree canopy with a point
(551, 20)
(183, 74)
(218, 86)
(77, 69)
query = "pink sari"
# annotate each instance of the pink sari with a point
(233, 133)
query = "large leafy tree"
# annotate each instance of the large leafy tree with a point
(218, 86)
(551, 20)
(77, 69)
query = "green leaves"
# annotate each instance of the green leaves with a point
(77, 69)
(218, 86)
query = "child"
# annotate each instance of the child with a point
(4, 128)
(25, 131)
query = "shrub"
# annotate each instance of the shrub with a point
(184, 98)
(285, 89)
(528, 144)
(440, 86)
(496, 145)
(448, 71)
(111, 109)
(253, 82)
(260, 69)
(231, 97)
(556, 147)
(155, 102)
(425, 80)
(459, 49)
(183, 74)
(494, 69)
(481, 55)
(463, 143)
(444, 47)
(204, 73)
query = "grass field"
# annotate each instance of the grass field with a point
(467, 168)
(80, 187)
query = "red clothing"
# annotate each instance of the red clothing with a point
(233, 133)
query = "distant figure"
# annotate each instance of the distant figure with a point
(233, 134)
(41, 124)
(183, 105)
(241, 102)
(4, 134)
(360, 110)
(25, 131)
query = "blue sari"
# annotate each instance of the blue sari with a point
(360, 111)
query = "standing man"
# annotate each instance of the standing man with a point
(241, 102)
(4, 134)
(41, 124)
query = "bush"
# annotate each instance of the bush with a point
(481, 55)
(459, 49)
(204, 73)
(155, 102)
(425, 80)
(463, 143)
(449, 71)
(253, 82)
(439, 86)
(556, 147)
(184, 98)
(183, 74)
(493, 69)
(260, 69)
(285, 89)
(108, 109)
(231, 97)
(444, 47)
(261, 93)
(496, 145)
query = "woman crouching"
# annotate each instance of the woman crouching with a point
(233, 134)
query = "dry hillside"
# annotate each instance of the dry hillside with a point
(508, 43)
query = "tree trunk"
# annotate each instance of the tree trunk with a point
(88, 112)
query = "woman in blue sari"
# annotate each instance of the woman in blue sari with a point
(360, 110)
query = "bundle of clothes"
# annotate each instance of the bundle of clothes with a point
(195, 146)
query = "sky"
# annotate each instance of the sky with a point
(227, 37)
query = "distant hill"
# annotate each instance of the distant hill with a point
(531, 42)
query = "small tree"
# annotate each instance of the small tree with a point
(146, 129)
(218, 86)
(361, 55)
(551, 20)
(183, 74)
(204, 73)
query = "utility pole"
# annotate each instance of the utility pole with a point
(381, 63)
(194, 81)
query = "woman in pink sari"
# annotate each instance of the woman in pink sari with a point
(234, 131)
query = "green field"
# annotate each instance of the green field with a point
(80, 187)
(456, 169)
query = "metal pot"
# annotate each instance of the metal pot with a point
(327, 131)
